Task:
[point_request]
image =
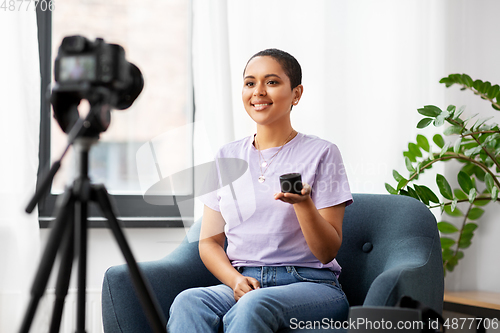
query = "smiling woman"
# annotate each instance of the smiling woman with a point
(281, 247)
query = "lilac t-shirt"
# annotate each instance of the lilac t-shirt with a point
(262, 231)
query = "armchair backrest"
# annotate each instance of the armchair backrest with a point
(390, 248)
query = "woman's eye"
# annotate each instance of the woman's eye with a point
(272, 82)
(249, 84)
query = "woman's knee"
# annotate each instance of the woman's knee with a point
(186, 298)
(256, 303)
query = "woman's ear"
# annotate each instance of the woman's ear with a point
(297, 91)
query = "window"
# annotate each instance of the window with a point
(156, 38)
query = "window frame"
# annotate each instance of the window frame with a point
(132, 210)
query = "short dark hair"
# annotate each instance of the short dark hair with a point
(288, 62)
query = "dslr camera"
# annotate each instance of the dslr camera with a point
(92, 70)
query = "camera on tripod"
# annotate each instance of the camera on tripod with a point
(96, 71)
(99, 73)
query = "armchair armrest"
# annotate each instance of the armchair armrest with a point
(410, 272)
(179, 270)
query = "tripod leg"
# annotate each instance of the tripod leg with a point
(81, 215)
(149, 303)
(64, 202)
(63, 278)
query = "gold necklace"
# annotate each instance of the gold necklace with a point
(265, 164)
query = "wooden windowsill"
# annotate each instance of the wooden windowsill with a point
(482, 299)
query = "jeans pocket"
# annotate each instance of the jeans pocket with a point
(307, 274)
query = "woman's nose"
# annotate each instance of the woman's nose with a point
(260, 90)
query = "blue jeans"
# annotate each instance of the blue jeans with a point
(290, 297)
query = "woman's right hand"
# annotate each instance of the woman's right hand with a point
(243, 285)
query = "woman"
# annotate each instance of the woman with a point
(279, 269)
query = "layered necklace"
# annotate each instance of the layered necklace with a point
(262, 161)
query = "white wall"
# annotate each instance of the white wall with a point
(471, 47)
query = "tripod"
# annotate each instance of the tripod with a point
(69, 237)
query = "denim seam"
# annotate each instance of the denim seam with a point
(315, 304)
(298, 276)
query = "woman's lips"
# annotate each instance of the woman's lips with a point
(261, 106)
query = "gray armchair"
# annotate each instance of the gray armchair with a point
(390, 248)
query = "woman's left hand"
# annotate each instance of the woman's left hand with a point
(293, 198)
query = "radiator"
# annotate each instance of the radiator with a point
(41, 323)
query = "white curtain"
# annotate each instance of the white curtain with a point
(19, 137)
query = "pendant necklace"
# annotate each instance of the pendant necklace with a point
(262, 161)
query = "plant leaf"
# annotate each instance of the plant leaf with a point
(390, 189)
(460, 194)
(408, 165)
(459, 112)
(456, 146)
(468, 169)
(401, 184)
(488, 179)
(397, 176)
(447, 227)
(464, 243)
(485, 87)
(441, 118)
(493, 91)
(445, 149)
(455, 213)
(466, 79)
(468, 119)
(412, 193)
(414, 149)
(472, 195)
(431, 155)
(447, 254)
(481, 203)
(430, 111)
(454, 204)
(464, 181)
(477, 84)
(444, 187)
(446, 242)
(422, 194)
(473, 151)
(423, 142)
(424, 122)
(426, 194)
(438, 140)
(452, 130)
(410, 156)
(481, 122)
(475, 213)
(469, 227)
(494, 193)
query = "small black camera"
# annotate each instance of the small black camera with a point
(291, 183)
(92, 70)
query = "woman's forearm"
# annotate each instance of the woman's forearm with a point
(322, 237)
(215, 259)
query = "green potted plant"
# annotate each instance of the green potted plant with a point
(475, 143)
